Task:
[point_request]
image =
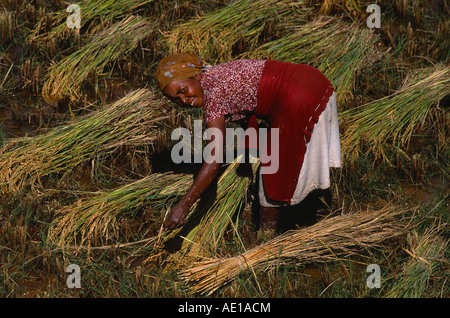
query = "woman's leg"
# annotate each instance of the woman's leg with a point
(269, 218)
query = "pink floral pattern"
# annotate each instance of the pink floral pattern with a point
(230, 89)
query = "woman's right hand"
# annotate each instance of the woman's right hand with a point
(208, 172)
(176, 216)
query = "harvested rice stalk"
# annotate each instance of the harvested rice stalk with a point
(133, 120)
(66, 77)
(332, 238)
(93, 220)
(216, 212)
(351, 7)
(338, 49)
(7, 25)
(428, 253)
(215, 35)
(392, 119)
(94, 14)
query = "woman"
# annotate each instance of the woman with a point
(297, 99)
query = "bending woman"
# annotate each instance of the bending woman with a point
(295, 98)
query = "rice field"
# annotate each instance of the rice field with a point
(86, 176)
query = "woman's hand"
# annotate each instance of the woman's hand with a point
(206, 175)
(176, 216)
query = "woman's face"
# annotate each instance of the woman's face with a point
(185, 92)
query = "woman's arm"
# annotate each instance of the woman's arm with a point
(208, 172)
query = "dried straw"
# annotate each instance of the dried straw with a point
(66, 77)
(93, 220)
(337, 48)
(133, 120)
(328, 240)
(94, 16)
(216, 35)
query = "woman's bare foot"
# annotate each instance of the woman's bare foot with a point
(269, 219)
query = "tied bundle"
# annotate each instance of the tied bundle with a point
(330, 239)
(93, 220)
(237, 27)
(94, 15)
(133, 120)
(340, 50)
(66, 77)
(390, 121)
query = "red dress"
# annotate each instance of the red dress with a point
(288, 96)
(230, 89)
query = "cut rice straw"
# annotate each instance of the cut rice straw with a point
(215, 35)
(133, 120)
(94, 15)
(336, 237)
(66, 77)
(211, 217)
(93, 220)
(340, 50)
(390, 121)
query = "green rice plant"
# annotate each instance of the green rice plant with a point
(427, 252)
(210, 217)
(390, 121)
(66, 77)
(340, 50)
(93, 220)
(215, 35)
(135, 120)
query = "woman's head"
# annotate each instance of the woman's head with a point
(185, 92)
(178, 78)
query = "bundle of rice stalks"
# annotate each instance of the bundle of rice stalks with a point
(328, 240)
(133, 120)
(428, 253)
(94, 15)
(93, 220)
(214, 213)
(66, 77)
(245, 23)
(338, 49)
(390, 121)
